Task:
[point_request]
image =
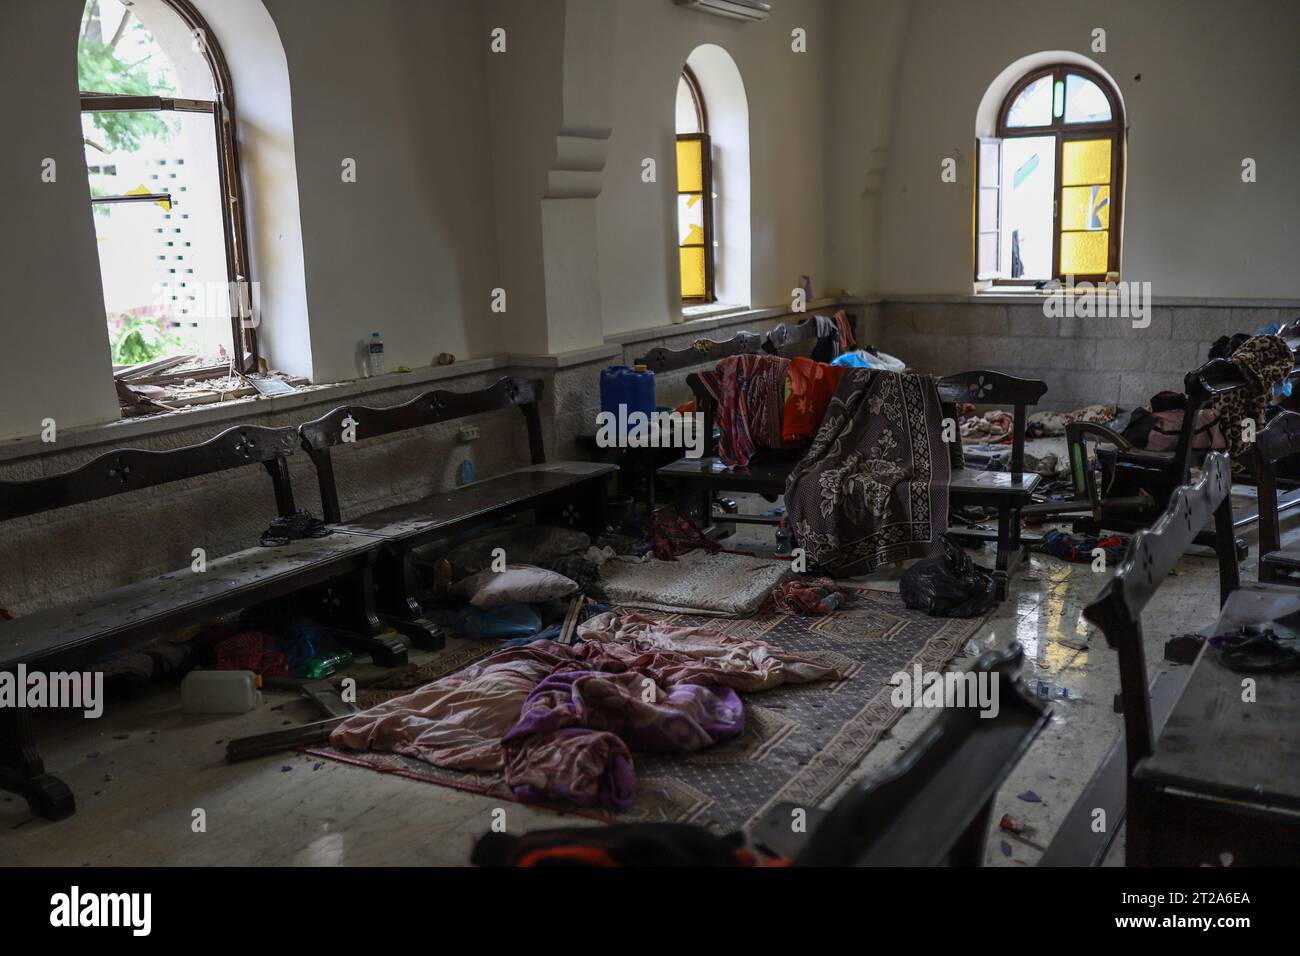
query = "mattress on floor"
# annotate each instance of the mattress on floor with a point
(698, 582)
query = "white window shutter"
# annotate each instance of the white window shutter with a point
(988, 211)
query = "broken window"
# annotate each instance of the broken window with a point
(1048, 185)
(162, 160)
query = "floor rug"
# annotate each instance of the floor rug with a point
(800, 742)
(697, 582)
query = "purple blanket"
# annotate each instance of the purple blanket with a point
(577, 729)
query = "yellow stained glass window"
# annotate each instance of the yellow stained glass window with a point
(1085, 207)
(690, 166)
(1085, 162)
(693, 278)
(1085, 253)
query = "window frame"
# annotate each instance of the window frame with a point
(1062, 132)
(706, 192)
(243, 334)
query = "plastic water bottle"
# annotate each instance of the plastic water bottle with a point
(375, 358)
(784, 539)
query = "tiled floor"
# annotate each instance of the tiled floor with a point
(144, 771)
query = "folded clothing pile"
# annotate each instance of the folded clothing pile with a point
(807, 596)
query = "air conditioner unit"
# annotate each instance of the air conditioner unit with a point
(735, 9)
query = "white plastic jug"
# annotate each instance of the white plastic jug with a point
(219, 692)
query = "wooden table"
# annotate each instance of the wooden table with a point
(1223, 783)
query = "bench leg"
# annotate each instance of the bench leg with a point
(1002, 566)
(362, 628)
(23, 772)
(401, 610)
(969, 848)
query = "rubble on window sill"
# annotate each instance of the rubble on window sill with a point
(178, 392)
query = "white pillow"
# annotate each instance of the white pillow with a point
(517, 584)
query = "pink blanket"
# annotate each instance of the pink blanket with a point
(562, 721)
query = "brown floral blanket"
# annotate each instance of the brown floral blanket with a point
(873, 487)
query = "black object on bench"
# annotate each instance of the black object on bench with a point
(80, 634)
(571, 493)
(1006, 491)
(1222, 776)
(932, 806)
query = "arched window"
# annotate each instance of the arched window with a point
(1050, 183)
(695, 239)
(158, 124)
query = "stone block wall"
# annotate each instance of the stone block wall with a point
(1083, 360)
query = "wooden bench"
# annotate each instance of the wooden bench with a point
(1219, 781)
(83, 633)
(1008, 492)
(638, 466)
(1279, 440)
(562, 492)
(933, 806)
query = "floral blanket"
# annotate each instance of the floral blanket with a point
(873, 487)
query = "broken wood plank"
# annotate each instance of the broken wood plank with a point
(278, 741)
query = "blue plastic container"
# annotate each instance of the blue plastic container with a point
(500, 623)
(635, 388)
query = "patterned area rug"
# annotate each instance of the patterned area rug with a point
(800, 742)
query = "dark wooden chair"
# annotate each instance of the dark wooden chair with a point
(561, 492)
(1008, 492)
(77, 636)
(1219, 782)
(934, 805)
(697, 483)
(1120, 487)
(1279, 440)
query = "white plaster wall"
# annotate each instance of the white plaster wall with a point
(522, 131)
(56, 363)
(1218, 83)
(264, 116)
(787, 125)
(408, 250)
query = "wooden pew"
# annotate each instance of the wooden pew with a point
(933, 806)
(1219, 782)
(1279, 440)
(79, 635)
(562, 492)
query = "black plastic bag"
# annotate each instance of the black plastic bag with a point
(951, 586)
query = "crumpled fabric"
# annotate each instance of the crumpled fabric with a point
(697, 655)
(803, 595)
(577, 730)
(810, 387)
(572, 738)
(993, 426)
(749, 393)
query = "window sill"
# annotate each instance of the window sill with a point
(124, 432)
(710, 311)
